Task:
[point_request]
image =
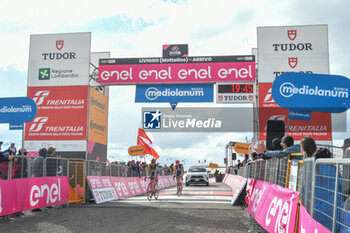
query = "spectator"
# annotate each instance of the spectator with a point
(171, 169)
(12, 149)
(5, 158)
(39, 163)
(239, 164)
(254, 156)
(288, 148)
(346, 144)
(276, 144)
(308, 146)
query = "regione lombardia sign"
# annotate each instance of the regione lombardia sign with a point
(59, 59)
(209, 69)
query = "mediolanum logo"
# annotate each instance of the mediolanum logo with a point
(153, 93)
(287, 90)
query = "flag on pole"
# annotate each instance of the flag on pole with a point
(145, 140)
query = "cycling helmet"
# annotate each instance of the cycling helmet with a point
(177, 162)
(153, 161)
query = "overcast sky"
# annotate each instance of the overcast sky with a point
(140, 28)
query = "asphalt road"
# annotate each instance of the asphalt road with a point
(200, 209)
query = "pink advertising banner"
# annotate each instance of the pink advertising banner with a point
(273, 207)
(102, 189)
(308, 224)
(29, 193)
(108, 188)
(236, 183)
(186, 70)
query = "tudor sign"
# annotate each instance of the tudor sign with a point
(301, 49)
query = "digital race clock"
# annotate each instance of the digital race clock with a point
(235, 88)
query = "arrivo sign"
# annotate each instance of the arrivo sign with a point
(177, 70)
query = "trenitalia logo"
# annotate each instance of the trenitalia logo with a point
(38, 124)
(287, 90)
(268, 98)
(153, 93)
(40, 96)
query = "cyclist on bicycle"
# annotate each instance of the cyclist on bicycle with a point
(178, 170)
(153, 170)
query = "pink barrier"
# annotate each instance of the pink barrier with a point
(273, 207)
(308, 224)
(236, 183)
(102, 189)
(29, 193)
(107, 188)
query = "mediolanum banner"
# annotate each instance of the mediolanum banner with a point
(59, 59)
(292, 49)
(98, 117)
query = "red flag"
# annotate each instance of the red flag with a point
(150, 151)
(144, 140)
(144, 135)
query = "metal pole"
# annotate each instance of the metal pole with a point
(312, 211)
(288, 126)
(335, 198)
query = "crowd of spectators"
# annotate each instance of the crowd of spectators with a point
(285, 146)
(325, 176)
(22, 166)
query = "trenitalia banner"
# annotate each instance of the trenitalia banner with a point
(98, 117)
(61, 113)
(301, 49)
(17, 110)
(59, 59)
(174, 93)
(112, 188)
(237, 184)
(312, 92)
(158, 70)
(273, 207)
(319, 127)
(308, 224)
(30, 193)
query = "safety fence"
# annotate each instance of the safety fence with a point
(323, 185)
(98, 168)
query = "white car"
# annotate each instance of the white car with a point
(197, 175)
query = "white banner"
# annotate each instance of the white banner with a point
(62, 146)
(292, 49)
(59, 59)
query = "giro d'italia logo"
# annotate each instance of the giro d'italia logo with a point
(152, 119)
(44, 73)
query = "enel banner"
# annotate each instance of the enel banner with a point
(273, 207)
(30, 193)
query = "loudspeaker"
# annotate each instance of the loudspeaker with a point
(274, 129)
(234, 156)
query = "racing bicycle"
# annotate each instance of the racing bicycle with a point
(152, 190)
(179, 186)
